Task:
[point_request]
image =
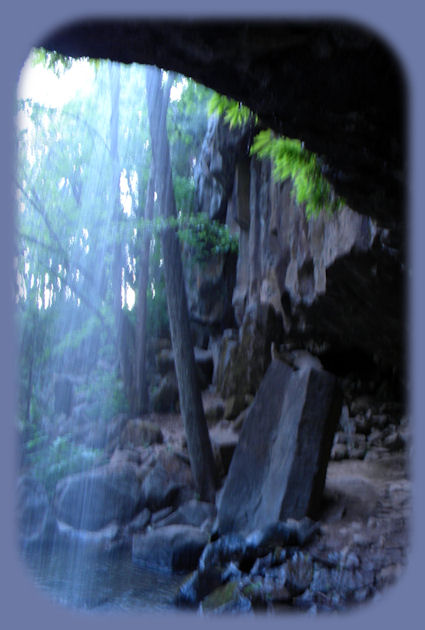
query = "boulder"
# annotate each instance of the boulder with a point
(140, 521)
(165, 397)
(159, 489)
(227, 598)
(139, 432)
(173, 548)
(288, 434)
(91, 500)
(89, 541)
(214, 411)
(192, 512)
(223, 441)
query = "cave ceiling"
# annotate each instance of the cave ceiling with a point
(334, 85)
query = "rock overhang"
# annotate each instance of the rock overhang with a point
(335, 85)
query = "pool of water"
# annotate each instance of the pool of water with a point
(101, 583)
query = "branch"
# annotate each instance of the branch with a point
(37, 205)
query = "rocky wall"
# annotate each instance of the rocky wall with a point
(334, 283)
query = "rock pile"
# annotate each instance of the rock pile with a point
(368, 426)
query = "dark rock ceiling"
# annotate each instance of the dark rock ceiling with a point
(334, 85)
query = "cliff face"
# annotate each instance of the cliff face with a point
(334, 283)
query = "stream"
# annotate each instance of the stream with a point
(102, 583)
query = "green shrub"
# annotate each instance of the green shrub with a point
(205, 238)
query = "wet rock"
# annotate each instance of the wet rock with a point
(91, 500)
(263, 564)
(139, 432)
(159, 490)
(161, 515)
(104, 539)
(175, 548)
(298, 573)
(230, 547)
(36, 522)
(191, 513)
(226, 599)
(282, 534)
(197, 585)
(231, 573)
(140, 521)
(268, 589)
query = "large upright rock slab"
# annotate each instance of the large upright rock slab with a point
(279, 466)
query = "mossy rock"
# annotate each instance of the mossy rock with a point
(225, 599)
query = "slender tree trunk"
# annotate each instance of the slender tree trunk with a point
(199, 445)
(141, 399)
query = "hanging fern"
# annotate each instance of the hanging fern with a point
(291, 160)
(234, 113)
(288, 156)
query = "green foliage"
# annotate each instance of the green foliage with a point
(50, 462)
(184, 192)
(80, 202)
(52, 60)
(106, 393)
(36, 334)
(288, 156)
(291, 160)
(234, 113)
(205, 238)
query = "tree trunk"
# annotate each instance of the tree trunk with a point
(199, 445)
(140, 399)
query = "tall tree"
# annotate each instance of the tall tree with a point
(139, 400)
(199, 445)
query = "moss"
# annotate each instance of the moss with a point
(222, 598)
